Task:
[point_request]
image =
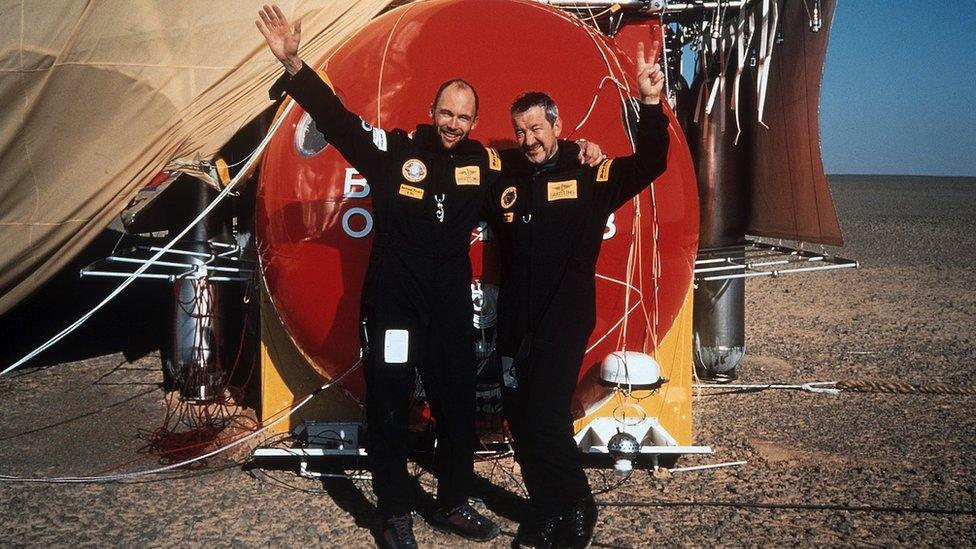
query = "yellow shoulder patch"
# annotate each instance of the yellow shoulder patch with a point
(603, 171)
(494, 160)
(411, 191)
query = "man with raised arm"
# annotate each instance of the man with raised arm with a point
(549, 214)
(416, 300)
(428, 194)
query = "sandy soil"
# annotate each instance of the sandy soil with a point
(884, 469)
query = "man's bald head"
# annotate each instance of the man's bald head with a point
(454, 112)
(459, 84)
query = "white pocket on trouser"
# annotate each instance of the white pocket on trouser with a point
(396, 346)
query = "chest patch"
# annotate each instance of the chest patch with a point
(509, 196)
(562, 190)
(467, 175)
(411, 191)
(414, 170)
(508, 217)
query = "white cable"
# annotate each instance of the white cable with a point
(243, 160)
(134, 474)
(621, 88)
(640, 299)
(596, 96)
(709, 466)
(125, 283)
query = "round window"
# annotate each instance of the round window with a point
(308, 139)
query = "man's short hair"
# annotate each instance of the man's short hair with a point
(461, 83)
(531, 99)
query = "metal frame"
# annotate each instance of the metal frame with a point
(303, 455)
(188, 269)
(655, 441)
(756, 259)
(651, 6)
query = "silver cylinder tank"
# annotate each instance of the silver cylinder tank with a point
(719, 306)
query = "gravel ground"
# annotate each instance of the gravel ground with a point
(879, 469)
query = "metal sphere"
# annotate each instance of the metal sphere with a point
(623, 446)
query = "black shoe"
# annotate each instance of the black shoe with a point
(539, 532)
(464, 521)
(398, 532)
(576, 528)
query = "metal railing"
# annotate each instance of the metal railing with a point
(194, 265)
(756, 259)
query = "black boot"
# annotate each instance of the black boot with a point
(539, 531)
(464, 521)
(398, 532)
(576, 527)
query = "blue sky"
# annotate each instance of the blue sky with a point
(899, 88)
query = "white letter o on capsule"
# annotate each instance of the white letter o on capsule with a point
(367, 222)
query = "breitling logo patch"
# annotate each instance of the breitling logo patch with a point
(411, 191)
(414, 170)
(494, 160)
(603, 172)
(467, 175)
(561, 190)
(509, 196)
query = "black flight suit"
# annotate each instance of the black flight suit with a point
(549, 221)
(416, 301)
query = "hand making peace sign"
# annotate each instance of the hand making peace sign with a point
(650, 77)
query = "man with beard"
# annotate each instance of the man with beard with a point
(549, 214)
(428, 194)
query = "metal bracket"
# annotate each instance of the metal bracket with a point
(653, 437)
(192, 264)
(756, 258)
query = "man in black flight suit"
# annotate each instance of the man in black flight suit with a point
(416, 299)
(429, 191)
(549, 214)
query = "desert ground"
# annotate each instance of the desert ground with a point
(855, 469)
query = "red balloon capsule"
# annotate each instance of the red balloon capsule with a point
(314, 210)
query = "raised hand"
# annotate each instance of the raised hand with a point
(650, 77)
(282, 40)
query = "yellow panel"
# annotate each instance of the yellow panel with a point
(286, 376)
(671, 404)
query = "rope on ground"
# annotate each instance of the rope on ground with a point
(900, 387)
(825, 387)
